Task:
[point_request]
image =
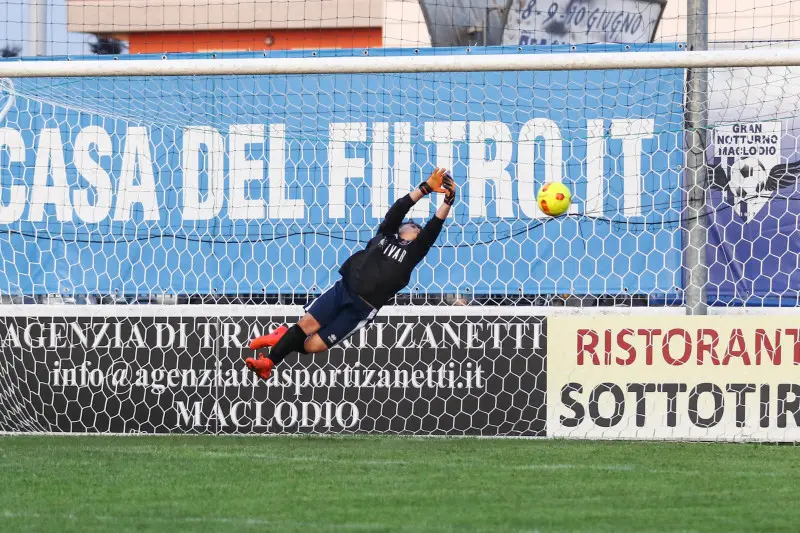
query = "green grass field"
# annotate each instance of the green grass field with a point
(177, 484)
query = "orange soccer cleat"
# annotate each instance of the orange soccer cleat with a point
(268, 341)
(260, 365)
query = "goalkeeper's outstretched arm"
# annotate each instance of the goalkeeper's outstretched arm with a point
(394, 217)
(428, 234)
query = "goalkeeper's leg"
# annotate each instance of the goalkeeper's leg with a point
(331, 318)
(283, 341)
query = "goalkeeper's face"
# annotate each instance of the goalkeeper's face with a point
(409, 231)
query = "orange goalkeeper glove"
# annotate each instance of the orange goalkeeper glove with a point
(434, 182)
(449, 186)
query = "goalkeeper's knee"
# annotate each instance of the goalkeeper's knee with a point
(315, 344)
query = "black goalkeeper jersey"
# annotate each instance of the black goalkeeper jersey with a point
(382, 269)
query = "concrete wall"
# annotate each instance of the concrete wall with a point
(736, 20)
(402, 22)
(107, 16)
(157, 21)
(404, 25)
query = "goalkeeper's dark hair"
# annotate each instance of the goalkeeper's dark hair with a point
(412, 222)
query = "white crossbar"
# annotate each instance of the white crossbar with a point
(375, 64)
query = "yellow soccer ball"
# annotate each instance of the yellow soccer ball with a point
(554, 199)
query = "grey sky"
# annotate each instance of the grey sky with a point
(13, 28)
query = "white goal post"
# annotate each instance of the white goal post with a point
(478, 62)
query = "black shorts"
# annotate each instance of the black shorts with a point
(340, 312)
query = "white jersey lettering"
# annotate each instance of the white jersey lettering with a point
(395, 252)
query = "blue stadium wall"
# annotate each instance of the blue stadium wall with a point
(247, 184)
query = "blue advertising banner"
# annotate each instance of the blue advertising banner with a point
(754, 234)
(250, 184)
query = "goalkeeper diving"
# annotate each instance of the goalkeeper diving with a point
(370, 278)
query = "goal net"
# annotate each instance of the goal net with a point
(252, 185)
(244, 194)
(254, 189)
